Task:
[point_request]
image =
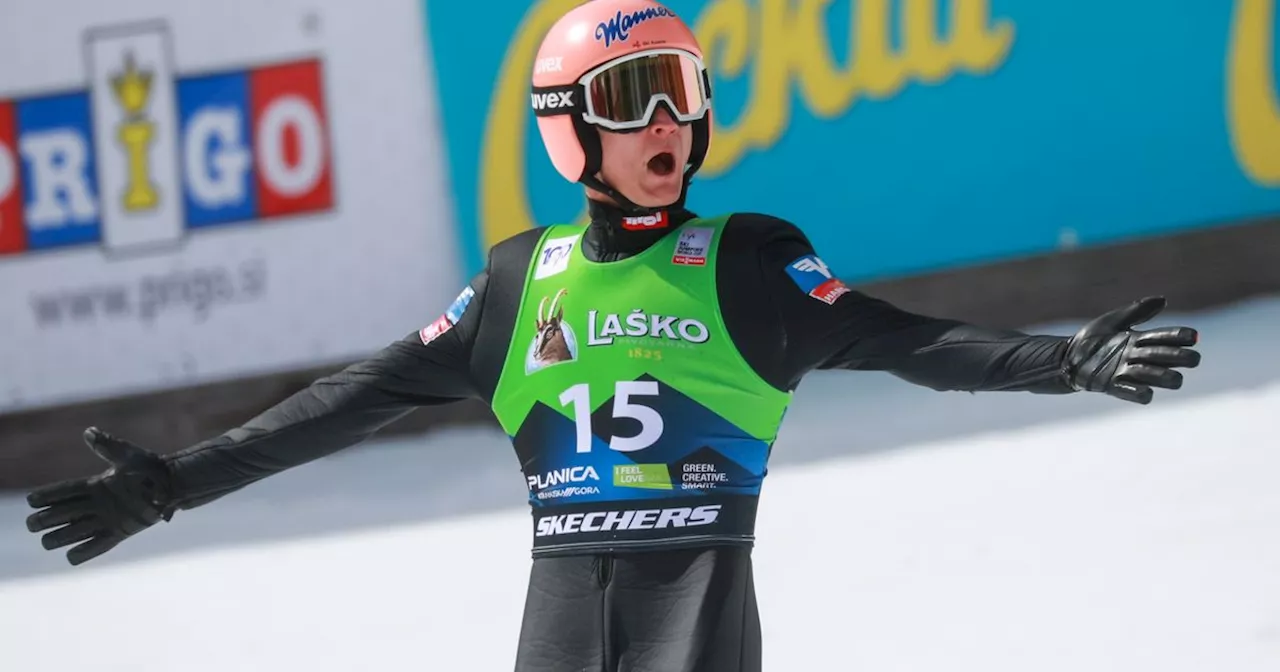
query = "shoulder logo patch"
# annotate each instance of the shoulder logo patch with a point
(451, 316)
(813, 277)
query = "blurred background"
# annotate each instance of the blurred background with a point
(206, 206)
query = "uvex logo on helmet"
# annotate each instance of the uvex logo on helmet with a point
(618, 28)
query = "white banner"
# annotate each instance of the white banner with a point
(199, 191)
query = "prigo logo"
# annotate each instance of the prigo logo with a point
(619, 27)
(640, 325)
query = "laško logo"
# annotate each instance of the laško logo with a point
(601, 330)
(657, 220)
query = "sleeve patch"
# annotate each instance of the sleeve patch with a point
(451, 316)
(813, 277)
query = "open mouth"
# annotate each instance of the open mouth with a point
(663, 164)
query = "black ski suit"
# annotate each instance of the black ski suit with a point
(687, 610)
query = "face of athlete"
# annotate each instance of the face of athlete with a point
(647, 166)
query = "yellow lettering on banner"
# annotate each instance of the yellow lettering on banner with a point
(774, 43)
(1253, 112)
(792, 46)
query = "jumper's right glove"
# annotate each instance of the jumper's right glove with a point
(103, 510)
(1107, 355)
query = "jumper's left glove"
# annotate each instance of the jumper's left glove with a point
(1107, 355)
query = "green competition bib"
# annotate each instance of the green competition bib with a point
(637, 422)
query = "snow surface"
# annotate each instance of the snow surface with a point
(900, 529)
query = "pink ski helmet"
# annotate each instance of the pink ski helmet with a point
(609, 64)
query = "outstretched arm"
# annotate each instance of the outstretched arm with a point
(428, 367)
(944, 355)
(139, 488)
(826, 325)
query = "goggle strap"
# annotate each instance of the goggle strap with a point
(551, 101)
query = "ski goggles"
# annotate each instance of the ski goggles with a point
(623, 94)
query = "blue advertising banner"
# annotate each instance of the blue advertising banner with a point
(906, 136)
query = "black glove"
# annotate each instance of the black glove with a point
(1108, 355)
(103, 510)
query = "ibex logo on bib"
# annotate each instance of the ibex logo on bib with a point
(554, 342)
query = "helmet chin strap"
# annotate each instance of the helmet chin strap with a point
(629, 208)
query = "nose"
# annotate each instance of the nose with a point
(662, 123)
